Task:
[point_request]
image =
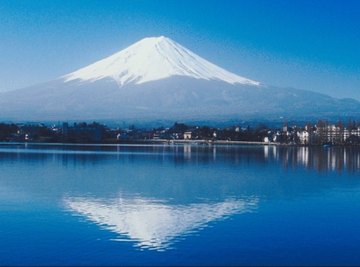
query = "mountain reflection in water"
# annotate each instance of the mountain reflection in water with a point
(155, 224)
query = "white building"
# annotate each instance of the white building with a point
(303, 137)
(353, 132)
(187, 135)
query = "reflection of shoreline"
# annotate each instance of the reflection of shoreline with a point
(155, 224)
(162, 142)
(334, 158)
(318, 158)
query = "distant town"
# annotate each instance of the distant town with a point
(320, 133)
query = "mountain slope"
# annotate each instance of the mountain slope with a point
(157, 79)
(153, 59)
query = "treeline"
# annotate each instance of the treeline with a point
(318, 134)
(95, 132)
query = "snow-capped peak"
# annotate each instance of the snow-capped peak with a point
(152, 59)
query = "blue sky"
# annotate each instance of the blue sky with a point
(305, 44)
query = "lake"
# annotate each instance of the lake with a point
(179, 205)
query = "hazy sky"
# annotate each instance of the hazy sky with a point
(312, 45)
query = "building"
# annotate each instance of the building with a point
(349, 133)
(187, 135)
(334, 134)
(303, 137)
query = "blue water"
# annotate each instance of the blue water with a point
(179, 205)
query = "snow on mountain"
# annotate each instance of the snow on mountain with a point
(159, 80)
(153, 59)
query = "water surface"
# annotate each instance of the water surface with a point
(179, 205)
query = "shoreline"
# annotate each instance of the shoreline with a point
(152, 142)
(148, 142)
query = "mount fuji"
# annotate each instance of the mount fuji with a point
(158, 79)
(154, 59)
